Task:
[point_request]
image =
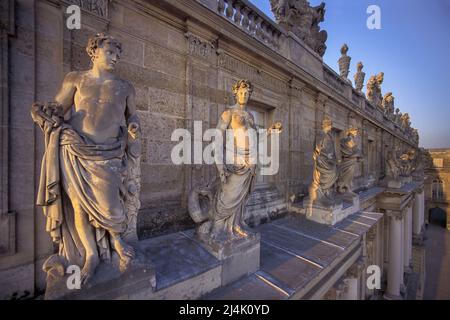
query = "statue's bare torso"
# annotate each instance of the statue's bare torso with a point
(100, 105)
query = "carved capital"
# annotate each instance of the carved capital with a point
(394, 214)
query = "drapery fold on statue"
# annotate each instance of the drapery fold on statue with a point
(76, 172)
(350, 155)
(231, 197)
(325, 173)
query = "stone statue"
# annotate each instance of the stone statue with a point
(388, 105)
(359, 78)
(303, 20)
(374, 90)
(219, 207)
(90, 169)
(344, 62)
(407, 163)
(350, 156)
(392, 170)
(321, 191)
(405, 121)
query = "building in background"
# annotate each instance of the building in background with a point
(437, 184)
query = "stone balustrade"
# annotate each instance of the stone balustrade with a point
(251, 20)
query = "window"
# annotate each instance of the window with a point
(437, 189)
(438, 163)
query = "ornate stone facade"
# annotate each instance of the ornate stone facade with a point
(182, 72)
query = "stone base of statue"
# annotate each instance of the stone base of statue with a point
(344, 206)
(238, 257)
(108, 282)
(406, 179)
(399, 183)
(395, 184)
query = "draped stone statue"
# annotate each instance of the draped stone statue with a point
(321, 191)
(405, 121)
(303, 20)
(89, 183)
(219, 208)
(359, 77)
(350, 156)
(407, 163)
(388, 105)
(374, 90)
(392, 169)
(344, 62)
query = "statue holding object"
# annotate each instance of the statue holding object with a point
(89, 184)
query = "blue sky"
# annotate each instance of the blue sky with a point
(412, 49)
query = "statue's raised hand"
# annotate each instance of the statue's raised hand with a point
(277, 127)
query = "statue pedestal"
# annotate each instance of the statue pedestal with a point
(108, 283)
(395, 184)
(238, 257)
(334, 214)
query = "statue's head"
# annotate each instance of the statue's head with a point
(397, 111)
(344, 49)
(360, 66)
(380, 77)
(242, 90)
(327, 125)
(104, 51)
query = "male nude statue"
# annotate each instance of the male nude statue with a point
(84, 169)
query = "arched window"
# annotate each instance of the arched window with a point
(437, 189)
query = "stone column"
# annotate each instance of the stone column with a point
(417, 217)
(422, 209)
(395, 266)
(407, 239)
